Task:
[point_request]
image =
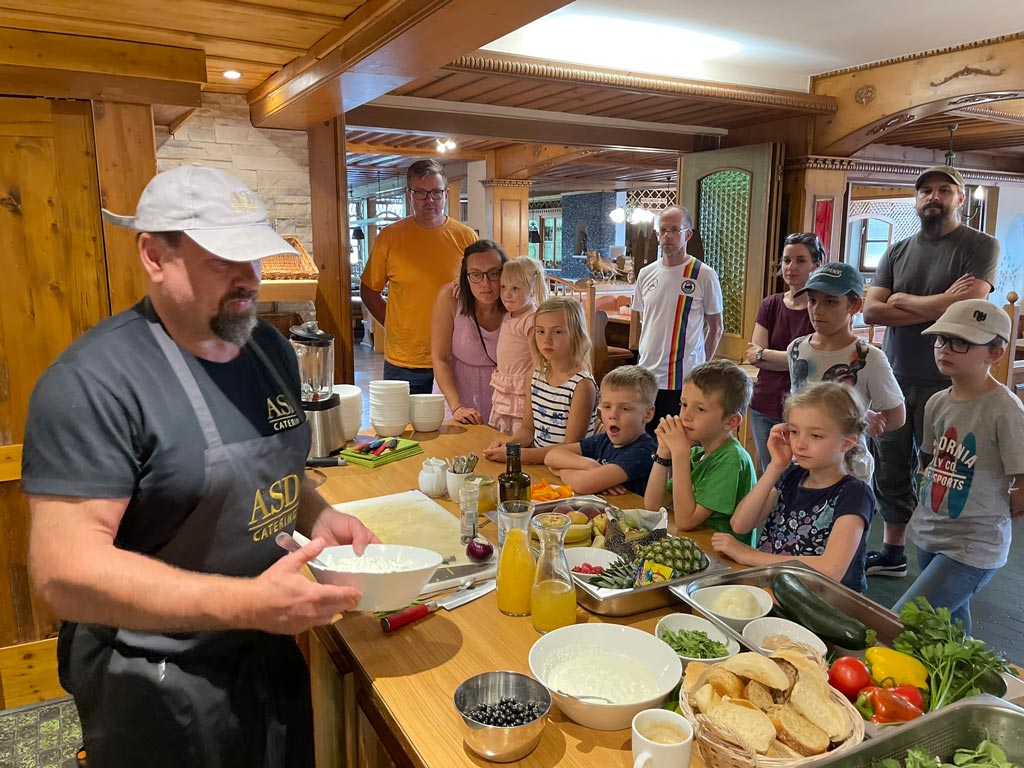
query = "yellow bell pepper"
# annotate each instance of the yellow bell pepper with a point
(892, 668)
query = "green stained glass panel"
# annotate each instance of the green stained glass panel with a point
(724, 205)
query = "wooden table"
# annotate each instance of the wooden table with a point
(404, 681)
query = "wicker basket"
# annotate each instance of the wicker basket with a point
(722, 747)
(288, 267)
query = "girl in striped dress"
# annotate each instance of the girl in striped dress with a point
(561, 396)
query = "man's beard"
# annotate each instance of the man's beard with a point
(932, 219)
(235, 327)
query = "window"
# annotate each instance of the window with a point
(868, 239)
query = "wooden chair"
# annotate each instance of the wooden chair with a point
(604, 357)
(1010, 368)
(584, 292)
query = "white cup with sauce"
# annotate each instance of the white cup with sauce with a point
(661, 739)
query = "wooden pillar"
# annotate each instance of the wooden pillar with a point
(329, 198)
(816, 200)
(507, 205)
(455, 199)
(125, 163)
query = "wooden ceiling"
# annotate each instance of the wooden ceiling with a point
(996, 129)
(256, 37)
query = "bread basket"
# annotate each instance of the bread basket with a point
(721, 747)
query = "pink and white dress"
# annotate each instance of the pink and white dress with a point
(515, 367)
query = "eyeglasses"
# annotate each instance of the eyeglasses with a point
(492, 275)
(423, 194)
(673, 230)
(960, 346)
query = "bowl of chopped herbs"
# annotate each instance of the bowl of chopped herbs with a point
(694, 638)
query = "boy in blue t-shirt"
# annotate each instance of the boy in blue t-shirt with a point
(710, 470)
(617, 460)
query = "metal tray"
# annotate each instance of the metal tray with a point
(626, 602)
(868, 612)
(961, 725)
(576, 502)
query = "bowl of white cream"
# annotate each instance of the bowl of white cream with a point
(629, 669)
(390, 576)
(735, 604)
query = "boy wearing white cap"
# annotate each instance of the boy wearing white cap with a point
(973, 459)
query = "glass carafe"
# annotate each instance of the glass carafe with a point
(553, 597)
(515, 562)
(314, 350)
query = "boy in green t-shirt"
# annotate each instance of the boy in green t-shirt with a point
(700, 469)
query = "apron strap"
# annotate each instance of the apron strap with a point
(181, 370)
(275, 375)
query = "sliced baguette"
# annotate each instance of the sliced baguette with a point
(796, 731)
(782, 752)
(751, 725)
(757, 667)
(817, 706)
(725, 682)
(706, 697)
(692, 677)
(806, 669)
(758, 694)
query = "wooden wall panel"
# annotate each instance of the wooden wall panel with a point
(54, 290)
(126, 161)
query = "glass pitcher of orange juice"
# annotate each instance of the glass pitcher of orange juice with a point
(553, 598)
(515, 563)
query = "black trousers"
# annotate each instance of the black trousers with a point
(665, 404)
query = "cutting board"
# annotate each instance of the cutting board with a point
(414, 519)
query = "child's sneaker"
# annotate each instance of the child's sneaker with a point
(880, 565)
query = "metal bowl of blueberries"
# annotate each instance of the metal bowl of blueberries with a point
(504, 714)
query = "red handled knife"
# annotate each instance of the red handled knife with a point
(413, 612)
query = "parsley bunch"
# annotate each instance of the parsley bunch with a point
(958, 665)
(694, 644)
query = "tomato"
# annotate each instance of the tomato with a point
(849, 675)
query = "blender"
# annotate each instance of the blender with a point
(314, 350)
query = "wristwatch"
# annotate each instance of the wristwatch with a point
(760, 355)
(658, 460)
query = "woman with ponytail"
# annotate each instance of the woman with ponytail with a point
(811, 505)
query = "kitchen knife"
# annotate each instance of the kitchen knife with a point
(413, 612)
(445, 572)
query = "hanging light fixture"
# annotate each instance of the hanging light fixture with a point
(950, 154)
(446, 145)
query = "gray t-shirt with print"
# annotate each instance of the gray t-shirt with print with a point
(925, 267)
(971, 450)
(859, 365)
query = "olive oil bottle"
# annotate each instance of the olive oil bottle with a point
(513, 483)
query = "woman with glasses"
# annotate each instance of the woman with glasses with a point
(781, 318)
(464, 335)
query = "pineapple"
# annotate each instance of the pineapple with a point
(618, 575)
(680, 554)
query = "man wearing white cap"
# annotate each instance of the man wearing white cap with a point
(164, 449)
(916, 280)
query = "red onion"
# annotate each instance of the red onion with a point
(479, 550)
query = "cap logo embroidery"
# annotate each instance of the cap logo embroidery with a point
(244, 201)
(980, 316)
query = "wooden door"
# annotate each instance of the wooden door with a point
(54, 288)
(734, 196)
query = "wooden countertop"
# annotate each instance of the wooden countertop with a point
(408, 677)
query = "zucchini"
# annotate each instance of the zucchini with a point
(815, 614)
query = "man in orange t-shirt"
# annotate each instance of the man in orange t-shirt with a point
(414, 257)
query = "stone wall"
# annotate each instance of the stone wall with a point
(274, 163)
(588, 211)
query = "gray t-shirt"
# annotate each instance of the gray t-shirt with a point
(972, 448)
(925, 267)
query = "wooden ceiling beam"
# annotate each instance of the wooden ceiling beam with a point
(433, 117)
(386, 149)
(877, 99)
(383, 45)
(68, 66)
(524, 161)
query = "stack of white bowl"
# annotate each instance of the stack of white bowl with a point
(426, 412)
(351, 409)
(389, 407)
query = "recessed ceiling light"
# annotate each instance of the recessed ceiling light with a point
(232, 74)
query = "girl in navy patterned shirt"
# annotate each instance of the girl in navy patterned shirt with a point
(811, 507)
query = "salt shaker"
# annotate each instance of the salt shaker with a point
(469, 503)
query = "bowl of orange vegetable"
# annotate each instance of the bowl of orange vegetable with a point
(543, 491)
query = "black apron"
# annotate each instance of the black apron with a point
(205, 699)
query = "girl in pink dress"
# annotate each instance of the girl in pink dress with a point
(522, 289)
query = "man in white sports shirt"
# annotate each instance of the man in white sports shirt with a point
(676, 296)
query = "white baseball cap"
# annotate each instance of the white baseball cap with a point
(974, 320)
(212, 207)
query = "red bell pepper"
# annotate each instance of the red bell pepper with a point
(885, 705)
(911, 693)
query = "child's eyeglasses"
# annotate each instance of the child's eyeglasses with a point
(960, 346)
(492, 275)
